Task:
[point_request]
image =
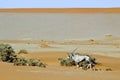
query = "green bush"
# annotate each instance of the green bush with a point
(7, 53)
(36, 62)
(62, 61)
(66, 62)
(28, 62)
(22, 61)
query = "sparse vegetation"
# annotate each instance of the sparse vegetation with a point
(22, 61)
(66, 62)
(108, 35)
(36, 62)
(23, 51)
(7, 54)
(91, 40)
(108, 69)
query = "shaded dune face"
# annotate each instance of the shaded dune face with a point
(58, 24)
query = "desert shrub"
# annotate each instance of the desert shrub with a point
(70, 62)
(108, 69)
(62, 61)
(28, 62)
(23, 51)
(7, 53)
(108, 35)
(36, 62)
(31, 62)
(66, 62)
(0, 58)
(21, 61)
(91, 40)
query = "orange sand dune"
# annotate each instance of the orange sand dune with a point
(62, 10)
(56, 72)
(52, 57)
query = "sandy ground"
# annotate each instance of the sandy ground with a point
(54, 71)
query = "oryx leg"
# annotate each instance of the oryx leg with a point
(91, 67)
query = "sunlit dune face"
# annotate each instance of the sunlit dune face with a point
(63, 10)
